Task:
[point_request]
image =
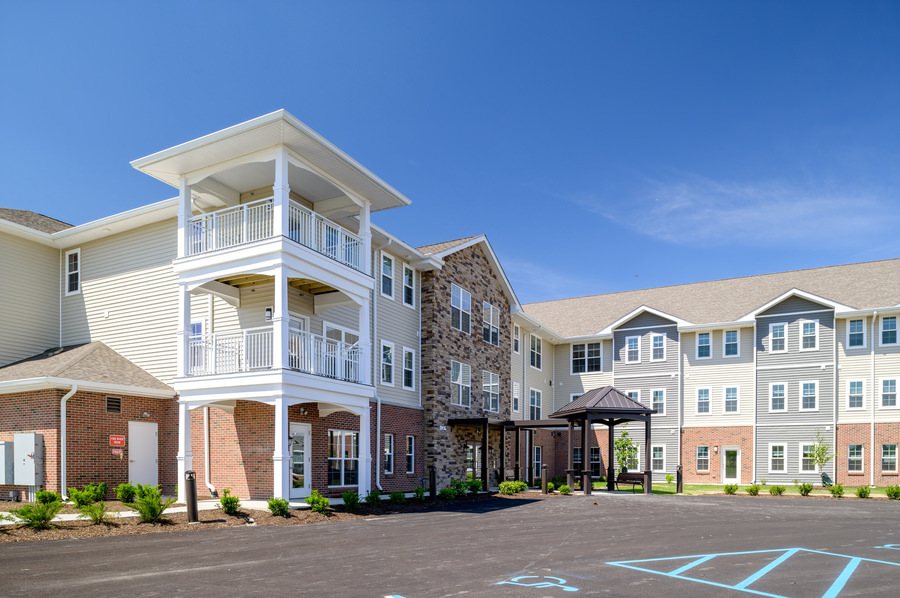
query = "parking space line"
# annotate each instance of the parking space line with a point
(842, 579)
(699, 561)
(759, 574)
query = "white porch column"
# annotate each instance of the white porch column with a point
(184, 216)
(365, 343)
(365, 233)
(282, 190)
(185, 457)
(183, 332)
(365, 453)
(280, 320)
(281, 487)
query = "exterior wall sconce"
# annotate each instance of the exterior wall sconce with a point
(268, 314)
(716, 449)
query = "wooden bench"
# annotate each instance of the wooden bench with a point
(633, 478)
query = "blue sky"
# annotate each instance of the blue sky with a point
(601, 146)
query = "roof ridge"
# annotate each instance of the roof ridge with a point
(90, 351)
(469, 238)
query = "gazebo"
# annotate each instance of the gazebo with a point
(610, 407)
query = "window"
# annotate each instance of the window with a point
(410, 454)
(658, 346)
(460, 383)
(702, 458)
(702, 400)
(704, 348)
(534, 405)
(388, 453)
(387, 276)
(777, 338)
(586, 358)
(855, 394)
(808, 401)
(460, 309)
(574, 395)
(731, 399)
(491, 317)
(889, 393)
(658, 458)
(113, 405)
(776, 458)
(809, 335)
(387, 363)
(409, 286)
(537, 461)
(889, 330)
(577, 460)
(490, 390)
(889, 457)
(732, 346)
(343, 458)
(535, 352)
(807, 464)
(777, 402)
(73, 272)
(659, 401)
(634, 395)
(409, 369)
(854, 457)
(856, 333)
(596, 472)
(632, 349)
(516, 335)
(515, 396)
(634, 464)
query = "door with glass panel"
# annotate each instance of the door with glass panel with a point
(731, 466)
(300, 459)
(299, 343)
(341, 358)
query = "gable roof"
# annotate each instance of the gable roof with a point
(867, 285)
(439, 248)
(600, 401)
(33, 220)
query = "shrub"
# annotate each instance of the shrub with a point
(447, 494)
(81, 498)
(557, 481)
(96, 512)
(565, 490)
(753, 490)
(669, 478)
(460, 488)
(512, 487)
(398, 497)
(731, 489)
(351, 500)
(762, 482)
(893, 492)
(317, 502)
(550, 487)
(373, 498)
(38, 515)
(230, 505)
(419, 493)
(97, 490)
(776, 490)
(473, 486)
(126, 492)
(149, 503)
(837, 490)
(279, 507)
(44, 497)
(863, 492)
(805, 488)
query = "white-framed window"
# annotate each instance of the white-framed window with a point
(460, 383)
(702, 458)
(573, 396)
(658, 347)
(586, 357)
(854, 457)
(855, 394)
(777, 458)
(732, 346)
(409, 369)
(387, 275)
(516, 396)
(704, 345)
(659, 400)
(632, 349)
(809, 397)
(658, 458)
(387, 363)
(778, 338)
(517, 334)
(343, 458)
(807, 463)
(536, 350)
(634, 463)
(491, 330)
(460, 309)
(490, 390)
(703, 401)
(889, 458)
(809, 335)
(410, 454)
(777, 397)
(634, 395)
(388, 453)
(73, 272)
(889, 393)
(409, 286)
(856, 334)
(534, 404)
(731, 399)
(596, 472)
(889, 330)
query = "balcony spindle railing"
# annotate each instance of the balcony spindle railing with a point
(321, 235)
(322, 356)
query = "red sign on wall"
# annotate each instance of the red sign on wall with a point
(116, 440)
(117, 452)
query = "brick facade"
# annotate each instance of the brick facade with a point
(555, 449)
(721, 437)
(847, 434)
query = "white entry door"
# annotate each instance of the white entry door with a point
(301, 473)
(143, 453)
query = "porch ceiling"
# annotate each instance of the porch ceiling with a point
(307, 285)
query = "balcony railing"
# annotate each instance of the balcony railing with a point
(251, 350)
(254, 221)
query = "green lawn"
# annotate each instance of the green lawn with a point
(696, 489)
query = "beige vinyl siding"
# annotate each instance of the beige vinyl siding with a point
(518, 366)
(565, 383)
(399, 324)
(887, 365)
(29, 298)
(538, 379)
(129, 297)
(854, 364)
(717, 373)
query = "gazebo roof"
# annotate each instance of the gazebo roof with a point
(605, 402)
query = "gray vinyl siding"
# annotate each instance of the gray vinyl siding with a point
(645, 386)
(659, 436)
(29, 296)
(790, 436)
(646, 366)
(794, 356)
(645, 319)
(793, 305)
(398, 323)
(565, 383)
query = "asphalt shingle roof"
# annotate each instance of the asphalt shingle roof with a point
(45, 224)
(441, 247)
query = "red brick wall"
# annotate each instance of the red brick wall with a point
(731, 436)
(847, 434)
(554, 449)
(401, 422)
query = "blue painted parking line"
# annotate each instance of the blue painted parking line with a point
(556, 583)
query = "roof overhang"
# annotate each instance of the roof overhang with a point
(50, 382)
(837, 307)
(640, 310)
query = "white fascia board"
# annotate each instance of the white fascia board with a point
(795, 292)
(117, 223)
(588, 338)
(45, 382)
(24, 232)
(643, 309)
(715, 326)
(398, 247)
(529, 324)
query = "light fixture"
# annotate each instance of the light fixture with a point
(715, 449)
(145, 414)
(268, 314)
(303, 411)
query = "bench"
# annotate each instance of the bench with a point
(635, 479)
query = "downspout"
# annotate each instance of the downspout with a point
(681, 401)
(372, 364)
(62, 440)
(836, 392)
(61, 287)
(874, 394)
(209, 486)
(756, 405)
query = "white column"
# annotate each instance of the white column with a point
(365, 343)
(282, 190)
(184, 216)
(185, 457)
(365, 233)
(365, 453)
(183, 332)
(281, 486)
(280, 320)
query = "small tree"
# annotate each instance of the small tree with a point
(821, 451)
(626, 451)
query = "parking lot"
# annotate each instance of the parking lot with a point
(610, 544)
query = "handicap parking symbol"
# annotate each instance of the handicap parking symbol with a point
(556, 583)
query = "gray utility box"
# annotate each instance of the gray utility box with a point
(6, 463)
(29, 459)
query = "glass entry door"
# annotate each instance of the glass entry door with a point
(732, 466)
(300, 460)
